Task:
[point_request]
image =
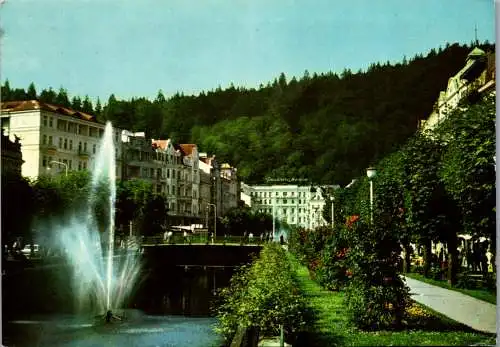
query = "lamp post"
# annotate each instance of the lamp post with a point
(60, 163)
(274, 223)
(371, 172)
(215, 219)
(333, 211)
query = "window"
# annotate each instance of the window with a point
(70, 145)
(65, 143)
(60, 142)
(93, 148)
(284, 193)
(84, 165)
(293, 210)
(168, 173)
(51, 142)
(284, 201)
(80, 146)
(85, 146)
(79, 165)
(70, 164)
(45, 121)
(44, 139)
(51, 122)
(44, 161)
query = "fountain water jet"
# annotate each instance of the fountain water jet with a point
(101, 282)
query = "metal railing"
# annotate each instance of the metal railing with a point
(202, 239)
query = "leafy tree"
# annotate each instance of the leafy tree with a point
(17, 209)
(467, 170)
(132, 197)
(155, 215)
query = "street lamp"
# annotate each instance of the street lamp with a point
(215, 220)
(59, 163)
(333, 211)
(274, 216)
(371, 172)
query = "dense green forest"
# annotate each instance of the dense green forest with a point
(323, 128)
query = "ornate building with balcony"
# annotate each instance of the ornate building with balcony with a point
(475, 79)
(140, 160)
(189, 183)
(296, 205)
(50, 133)
(230, 188)
(170, 160)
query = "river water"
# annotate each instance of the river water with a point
(137, 329)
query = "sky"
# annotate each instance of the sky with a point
(136, 48)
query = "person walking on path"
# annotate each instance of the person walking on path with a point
(462, 308)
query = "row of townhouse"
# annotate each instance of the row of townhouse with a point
(295, 204)
(55, 139)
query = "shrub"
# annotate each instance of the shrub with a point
(376, 296)
(263, 295)
(333, 270)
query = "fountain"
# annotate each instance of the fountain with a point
(102, 280)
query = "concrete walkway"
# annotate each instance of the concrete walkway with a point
(462, 308)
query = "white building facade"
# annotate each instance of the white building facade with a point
(50, 133)
(477, 77)
(296, 205)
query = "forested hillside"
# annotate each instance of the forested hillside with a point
(325, 128)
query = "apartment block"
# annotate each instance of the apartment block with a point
(54, 139)
(294, 204)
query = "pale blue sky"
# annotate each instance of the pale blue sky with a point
(136, 47)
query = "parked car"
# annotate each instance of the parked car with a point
(27, 250)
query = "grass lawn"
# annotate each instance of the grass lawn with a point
(332, 328)
(481, 294)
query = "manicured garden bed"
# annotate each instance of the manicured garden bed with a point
(331, 326)
(481, 294)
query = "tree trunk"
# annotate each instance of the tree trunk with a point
(452, 259)
(407, 257)
(427, 256)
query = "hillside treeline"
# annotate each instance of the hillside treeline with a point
(323, 128)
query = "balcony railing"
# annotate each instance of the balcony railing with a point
(84, 154)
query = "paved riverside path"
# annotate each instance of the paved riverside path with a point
(477, 314)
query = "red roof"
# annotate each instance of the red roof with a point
(29, 105)
(187, 148)
(163, 144)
